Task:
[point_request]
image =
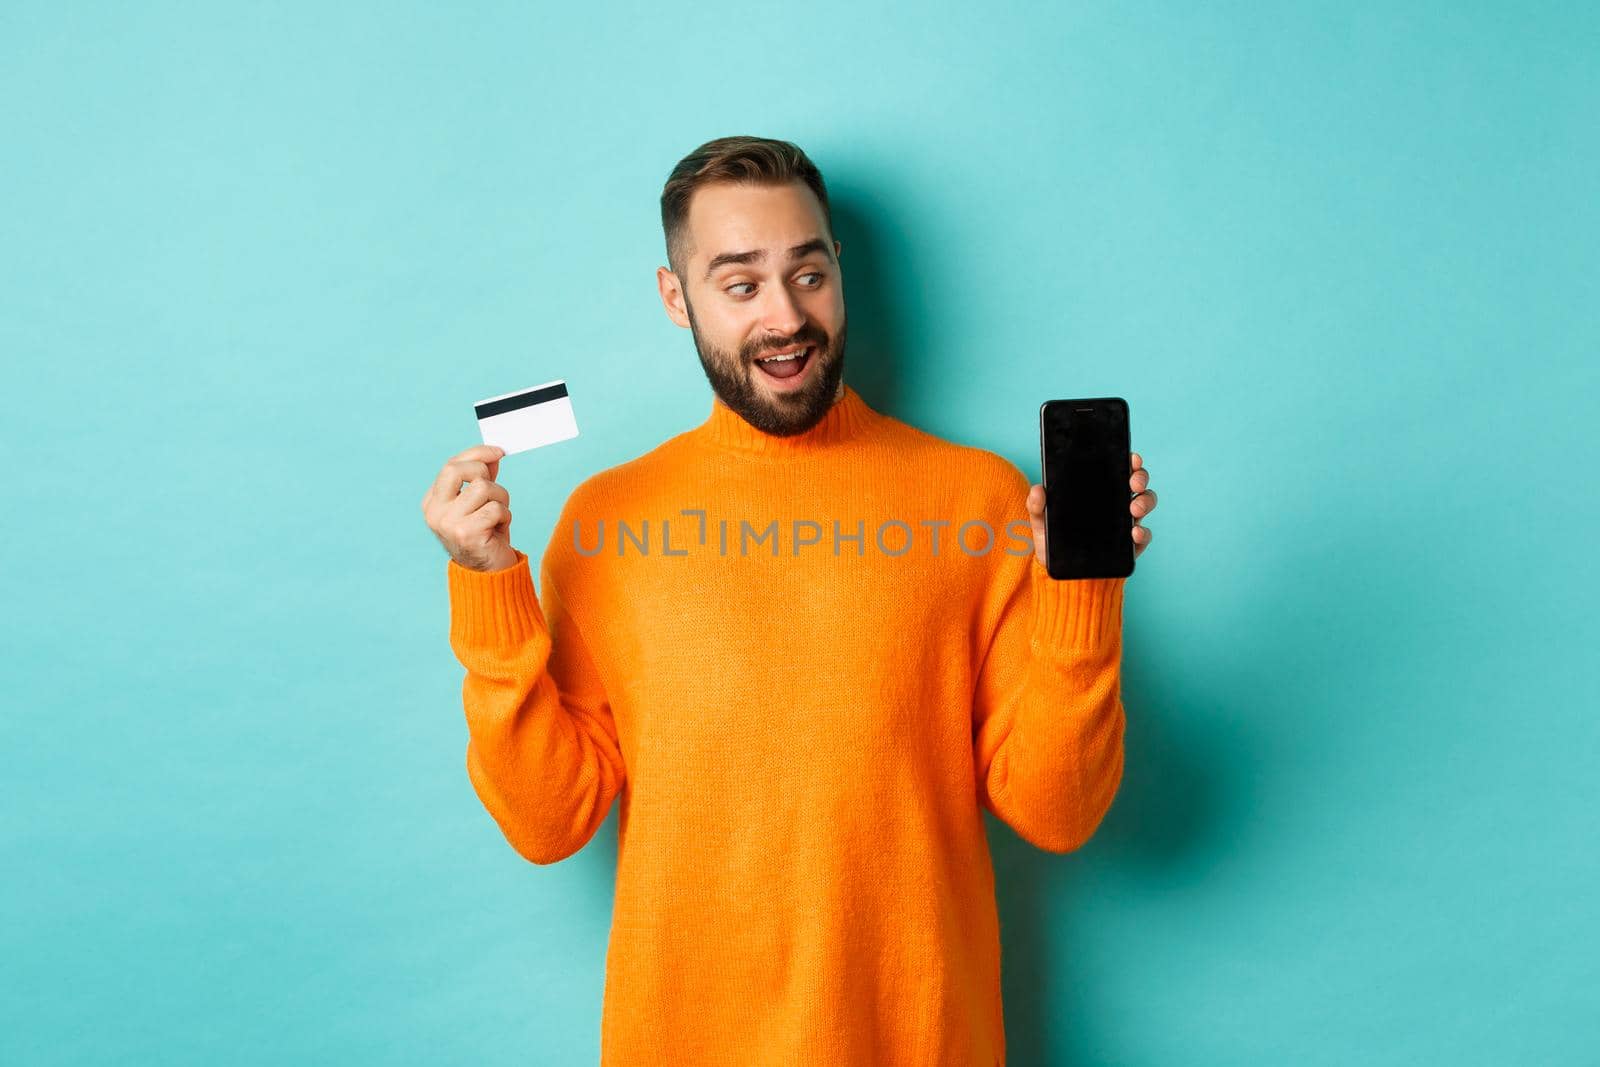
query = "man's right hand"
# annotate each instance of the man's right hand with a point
(473, 524)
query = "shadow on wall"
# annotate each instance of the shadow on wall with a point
(1263, 686)
(873, 303)
(1163, 817)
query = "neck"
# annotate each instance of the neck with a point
(845, 419)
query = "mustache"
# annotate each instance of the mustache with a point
(802, 339)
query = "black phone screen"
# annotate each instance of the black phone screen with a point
(1084, 451)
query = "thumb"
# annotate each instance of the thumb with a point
(1036, 517)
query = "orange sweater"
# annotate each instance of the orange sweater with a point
(803, 733)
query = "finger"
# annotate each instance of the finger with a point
(487, 454)
(460, 469)
(478, 493)
(1139, 479)
(1142, 536)
(1036, 502)
(1143, 504)
(1138, 461)
(493, 513)
(447, 486)
(483, 452)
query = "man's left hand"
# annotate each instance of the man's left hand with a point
(1142, 504)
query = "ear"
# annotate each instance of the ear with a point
(672, 296)
(837, 248)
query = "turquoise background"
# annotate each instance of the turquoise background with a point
(258, 261)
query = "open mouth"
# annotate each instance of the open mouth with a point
(787, 366)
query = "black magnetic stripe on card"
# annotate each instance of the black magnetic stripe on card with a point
(522, 400)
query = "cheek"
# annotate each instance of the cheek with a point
(729, 328)
(836, 305)
(826, 310)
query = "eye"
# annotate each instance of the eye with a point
(817, 274)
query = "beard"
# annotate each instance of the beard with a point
(732, 376)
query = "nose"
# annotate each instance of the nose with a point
(781, 314)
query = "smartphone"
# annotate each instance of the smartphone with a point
(1085, 454)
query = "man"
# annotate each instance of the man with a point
(805, 687)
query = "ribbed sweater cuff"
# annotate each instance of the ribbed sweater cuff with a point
(491, 608)
(1075, 613)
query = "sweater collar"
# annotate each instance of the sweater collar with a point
(845, 421)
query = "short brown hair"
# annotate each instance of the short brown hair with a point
(755, 160)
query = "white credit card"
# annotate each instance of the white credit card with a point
(528, 418)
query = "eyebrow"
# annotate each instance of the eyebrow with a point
(816, 244)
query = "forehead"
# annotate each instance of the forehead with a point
(729, 217)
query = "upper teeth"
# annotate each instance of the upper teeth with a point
(791, 355)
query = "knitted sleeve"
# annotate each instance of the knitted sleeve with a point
(1048, 719)
(542, 750)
